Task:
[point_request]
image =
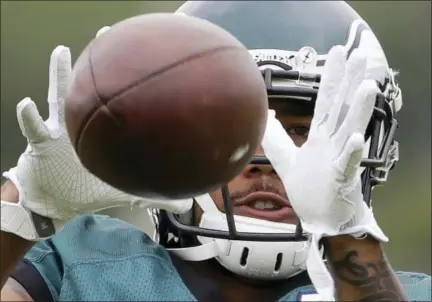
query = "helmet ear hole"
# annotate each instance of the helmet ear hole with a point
(278, 263)
(244, 256)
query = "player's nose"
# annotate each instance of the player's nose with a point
(255, 170)
(252, 171)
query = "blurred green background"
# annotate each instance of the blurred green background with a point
(31, 29)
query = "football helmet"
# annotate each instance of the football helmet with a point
(289, 41)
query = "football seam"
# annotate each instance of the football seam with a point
(152, 75)
(162, 70)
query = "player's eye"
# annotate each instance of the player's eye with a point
(297, 130)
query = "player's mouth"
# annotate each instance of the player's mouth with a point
(266, 206)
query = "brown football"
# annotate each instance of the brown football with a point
(165, 105)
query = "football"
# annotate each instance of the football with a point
(165, 106)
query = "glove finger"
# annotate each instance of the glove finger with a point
(59, 73)
(359, 113)
(351, 156)
(332, 76)
(102, 30)
(31, 123)
(355, 72)
(277, 144)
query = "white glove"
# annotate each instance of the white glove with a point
(49, 176)
(322, 177)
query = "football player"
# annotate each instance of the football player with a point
(295, 225)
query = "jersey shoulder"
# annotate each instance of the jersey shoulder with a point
(417, 287)
(100, 258)
(90, 238)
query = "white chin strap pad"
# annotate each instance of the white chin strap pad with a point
(250, 259)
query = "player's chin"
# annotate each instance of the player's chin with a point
(283, 215)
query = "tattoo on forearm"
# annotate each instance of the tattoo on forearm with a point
(375, 279)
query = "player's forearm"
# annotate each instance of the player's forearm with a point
(361, 271)
(12, 247)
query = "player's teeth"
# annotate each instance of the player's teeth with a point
(270, 205)
(261, 205)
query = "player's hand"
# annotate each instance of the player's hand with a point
(322, 177)
(49, 176)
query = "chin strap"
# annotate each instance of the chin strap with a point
(318, 272)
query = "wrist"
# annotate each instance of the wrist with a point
(18, 220)
(339, 246)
